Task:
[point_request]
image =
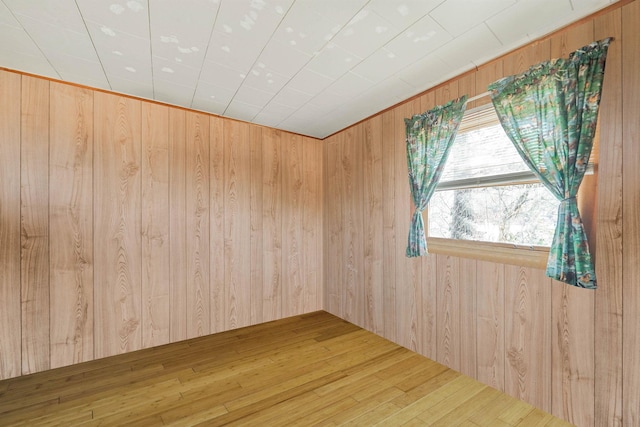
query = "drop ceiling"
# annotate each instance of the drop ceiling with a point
(312, 67)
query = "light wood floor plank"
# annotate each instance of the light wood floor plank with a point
(313, 369)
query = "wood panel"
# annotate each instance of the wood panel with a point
(257, 267)
(448, 312)
(237, 230)
(490, 324)
(630, 217)
(177, 225)
(117, 251)
(573, 309)
(608, 302)
(156, 284)
(34, 224)
(333, 212)
(389, 224)
(71, 224)
(373, 231)
(292, 286)
(528, 335)
(351, 163)
(272, 224)
(216, 223)
(142, 224)
(467, 292)
(10, 308)
(312, 252)
(197, 224)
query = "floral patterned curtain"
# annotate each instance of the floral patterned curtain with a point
(550, 114)
(429, 138)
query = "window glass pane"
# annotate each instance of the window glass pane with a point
(482, 152)
(519, 214)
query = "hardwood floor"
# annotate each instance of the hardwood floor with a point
(314, 369)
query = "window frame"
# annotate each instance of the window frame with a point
(500, 252)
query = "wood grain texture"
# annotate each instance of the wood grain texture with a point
(237, 230)
(216, 223)
(528, 335)
(448, 311)
(467, 291)
(373, 232)
(333, 235)
(292, 211)
(257, 267)
(197, 222)
(312, 252)
(148, 191)
(156, 284)
(608, 303)
(71, 224)
(572, 311)
(34, 224)
(630, 217)
(389, 224)
(10, 304)
(177, 225)
(117, 250)
(307, 370)
(490, 324)
(272, 224)
(352, 219)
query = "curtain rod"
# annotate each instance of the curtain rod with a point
(482, 95)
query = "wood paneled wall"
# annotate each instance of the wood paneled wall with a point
(572, 352)
(126, 224)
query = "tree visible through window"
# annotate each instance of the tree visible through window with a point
(487, 193)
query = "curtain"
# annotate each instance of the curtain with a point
(429, 138)
(550, 112)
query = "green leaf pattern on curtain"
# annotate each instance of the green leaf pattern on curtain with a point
(429, 138)
(550, 114)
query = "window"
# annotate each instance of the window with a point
(487, 193)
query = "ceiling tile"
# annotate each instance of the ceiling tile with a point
(173, 93)
(59, 13)
(309, 82)
(333, 61)
(420, 39)
(131, 17)
(366, 33)
(403, 13)
(219, 75)
(427, 72)
(305, 30)
(282, 59)
(476, 43)
(251, 96)
(214, 93)
(334, 10)
(131, 87)
(350, 85)
(177, 73)
(291, 97)
(309, 66)
(528, 19)
(262, 78)
(241, 111)
(52, 38)
(458, 16)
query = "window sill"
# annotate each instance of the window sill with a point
(525, 256)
